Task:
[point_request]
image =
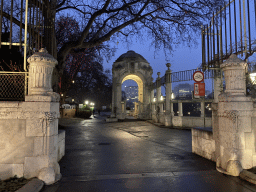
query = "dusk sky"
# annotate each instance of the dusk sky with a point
(183, 58)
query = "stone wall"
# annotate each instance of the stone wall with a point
(203, 143)
(67, 113)
(28, 132)
(187, 121)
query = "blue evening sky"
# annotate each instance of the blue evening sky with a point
(182, 58)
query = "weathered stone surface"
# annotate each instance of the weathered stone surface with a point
(254, 160)
(38, 146)
(47, 175)
(203, 143)
(234, 168)
(13, 141)
(32, 165)
(9, 170)
(249, 140)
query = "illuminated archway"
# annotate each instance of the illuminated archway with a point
(131, 66)
(139, 82)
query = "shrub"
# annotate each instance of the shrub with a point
(85, 112)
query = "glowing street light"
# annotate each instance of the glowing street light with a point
(172, 96)
(253, 77)
(86, 102)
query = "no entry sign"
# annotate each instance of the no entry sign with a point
(199, 89)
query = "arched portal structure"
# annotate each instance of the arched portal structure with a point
(131, 66)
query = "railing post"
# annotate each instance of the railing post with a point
(168, 104)
(180, 108)
(158, 95)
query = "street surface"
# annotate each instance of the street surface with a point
(135, 156)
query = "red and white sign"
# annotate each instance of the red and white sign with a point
(198, 76)
(199, 89)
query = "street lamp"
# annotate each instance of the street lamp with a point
(172, 96)
(253, 77)
(86, 102)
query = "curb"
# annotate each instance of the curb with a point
(248, 176)
(35, 185)
(169, 127)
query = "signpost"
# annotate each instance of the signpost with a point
(199, 87)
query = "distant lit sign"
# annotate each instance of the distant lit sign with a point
(80, 106)
(199, 89)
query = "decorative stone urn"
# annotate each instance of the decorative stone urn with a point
(40, 75)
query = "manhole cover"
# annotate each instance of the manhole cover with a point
(104, 143)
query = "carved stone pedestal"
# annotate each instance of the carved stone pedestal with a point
(235, 146)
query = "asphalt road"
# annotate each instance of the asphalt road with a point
(135, 156)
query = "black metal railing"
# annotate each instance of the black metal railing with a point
(13, 86)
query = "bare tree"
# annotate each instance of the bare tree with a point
(166, 22)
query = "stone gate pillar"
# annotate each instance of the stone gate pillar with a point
(158, 96)
(152, 102)
(235, 144)
(168, 82)
(42, 112)
(180, 109)
(118, 100)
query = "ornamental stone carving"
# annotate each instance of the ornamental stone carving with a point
(232, 115)
(40, 72)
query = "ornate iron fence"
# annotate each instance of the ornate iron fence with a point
(230, 31)
(13, 86)
(22, 25)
